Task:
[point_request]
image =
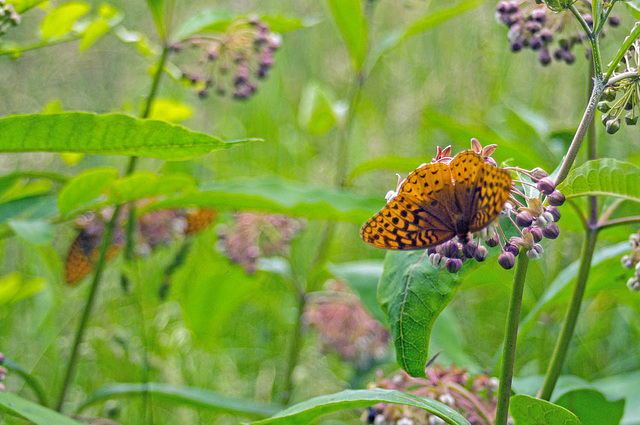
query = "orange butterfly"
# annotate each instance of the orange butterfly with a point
(437, 202)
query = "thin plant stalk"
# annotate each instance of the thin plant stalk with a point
(571, 317)
(106, 242)
(97, 276)
(294, 351)
(510, 339)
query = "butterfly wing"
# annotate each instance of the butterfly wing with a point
(77, 264)
(480, 189)
(418, 216)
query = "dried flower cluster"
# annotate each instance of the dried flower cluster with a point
(628, 103)
(525, 210)
(346, 327)
(232, 62)
(3, 373)
(540, 28)
(632, 261)
(8, 17)
(470, 395)
(254, 235)
(153, 229)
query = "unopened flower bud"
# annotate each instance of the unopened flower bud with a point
(493, 240)
(542, 221)
(481, 254)
(603, 107)
(524, 219)
(552, 231)
(454, 265)
(507, 260)
(469, 249)
(556, 198)
(627, 262)
(630, 119)
(511, 248)
(614, 20)
(535, 252)
(609, 94)
(613, 125)
(555, 213)
(546, 185)
(634, 284)
(549, 217)
(538, 173)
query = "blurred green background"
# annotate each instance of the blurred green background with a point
(228, 331)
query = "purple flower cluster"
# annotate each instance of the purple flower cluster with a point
(632, 261)
(533, 25)
(8, 17)
(346, 327)
(628, 102)
(473, 396)
(532, 209)
(232, 62)
(255, 235)
(3, 373)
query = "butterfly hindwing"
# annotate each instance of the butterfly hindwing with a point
(492, 193)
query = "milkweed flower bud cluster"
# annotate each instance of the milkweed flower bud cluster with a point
(8, 17)
(623, 97)
(632, 261)
(473, 396)
(346, 327)
(255, 235)
(539, 27)
(532, 209)
(3, 372)
(233, 62)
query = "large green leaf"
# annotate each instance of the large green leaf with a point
(194, 397)
(305, 412)
(603, 177)
(60, 20)
(527, 410)
(85, 187)
(591, 407)
(35, 413)
(282, 197)
(109, 134)
(353, 27)
(413, 295)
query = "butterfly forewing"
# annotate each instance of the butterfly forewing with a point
(418, 216)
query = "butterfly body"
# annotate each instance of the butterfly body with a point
(438, 202)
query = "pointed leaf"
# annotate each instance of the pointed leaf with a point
(305, 412)
(281, 197)
(603, 177)
(60, 21)
(157, 11)
(316, 114)
(35, 413)
(413, 294)
(353, 26)
(527, 410)
(36, 232)
(109, 134)
(84, 188)
(194, 397)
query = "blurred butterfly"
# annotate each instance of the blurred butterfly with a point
(437, 202)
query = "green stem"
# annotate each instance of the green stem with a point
(619, 221)
(99, 268)
(510, 338)
(560, 352)
(294, 351)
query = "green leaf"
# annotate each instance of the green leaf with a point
(280, 23)
(109, 134)
(628, 41)
(158, 12)
(13, 287)
(23, 5)
(31, 207)
(281, 197)
(592, 408)
(109, 18)
(169, 110)
(60, 21)
(84, 188)
(527, 410)
(35, 413)
(207, 20)
(194, 397)
(413, 294)
(633, 6)
(394, 39)
(144, 184)
(603, 177)
(36, 232)
(316, 113)
(29, 379)
(304, 413)
(353, 26)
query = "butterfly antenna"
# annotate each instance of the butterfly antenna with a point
(430, 362)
